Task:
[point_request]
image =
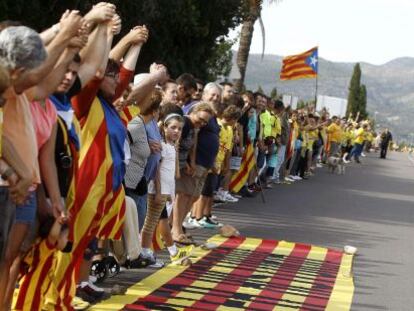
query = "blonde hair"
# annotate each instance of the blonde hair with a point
(201, 106)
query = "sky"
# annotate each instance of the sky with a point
(372, 31)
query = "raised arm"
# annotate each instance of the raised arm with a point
(158, 74)
(69, 27)
(48, 85)
(93, 54)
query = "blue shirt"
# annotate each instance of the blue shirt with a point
(153, 134)
(208, 144)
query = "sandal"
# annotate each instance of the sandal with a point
(184, 240)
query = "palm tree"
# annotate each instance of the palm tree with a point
(252, 13)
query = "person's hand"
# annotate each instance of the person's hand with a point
(78, 42)
(20, 190)
(70, 23)
(189, 170)
(138, 35)
(58, 208)
(115, 25)
(155, 146)
(159, 72)
(61, 218)
(101, 12)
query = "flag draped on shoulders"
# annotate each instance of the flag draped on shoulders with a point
(248, 162)
(304, 65)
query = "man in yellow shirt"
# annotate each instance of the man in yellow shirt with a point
(335, 135)
(359, 141)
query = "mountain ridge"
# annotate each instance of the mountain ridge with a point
(390, 86)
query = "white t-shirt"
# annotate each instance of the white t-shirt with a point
(167, 171)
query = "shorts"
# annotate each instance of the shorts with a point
(191, 185)
(7, 215)
(210, 185)
(26, 213)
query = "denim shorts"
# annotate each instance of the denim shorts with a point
(26, 213)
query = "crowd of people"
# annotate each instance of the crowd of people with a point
(94, 156)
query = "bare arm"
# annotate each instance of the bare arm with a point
(93, 54)
(69, 29)
(49, 174)
(158, 74)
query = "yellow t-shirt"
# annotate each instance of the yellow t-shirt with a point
(225, 143)
(335, 133)
(276, 126)
(312, 137)
(267, 121)
(359, 136)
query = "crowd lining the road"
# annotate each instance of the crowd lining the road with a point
(90, 154)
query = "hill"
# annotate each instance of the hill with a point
(390, 86)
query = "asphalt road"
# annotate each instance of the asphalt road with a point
(370, 207)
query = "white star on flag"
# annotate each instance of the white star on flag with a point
(313, 61)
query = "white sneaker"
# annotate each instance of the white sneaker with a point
(363, 155)
(319, 165)
(289, 179)
(190, 223)
(228, 197)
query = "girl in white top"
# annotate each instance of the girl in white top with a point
(162, 189)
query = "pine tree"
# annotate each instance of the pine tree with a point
(354, 91)
(273, 93)
(362, 107)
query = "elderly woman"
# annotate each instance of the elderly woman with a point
(30, 67)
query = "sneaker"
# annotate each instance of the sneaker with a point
(85, 296)
(207, 223)
(79, 304)
(363, 155)
(297, 177)
(213, 217)
(158, 264)
(229, 198)
(318, 165)
(137, 263)
(246, 192)
(289, 179)
(218, 198)
(276, 181)
(93, 286)
(92, 279)
(190, 223)
(182, 254)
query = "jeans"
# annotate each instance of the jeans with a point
(356, 151)
(281, 151)
(141, 202)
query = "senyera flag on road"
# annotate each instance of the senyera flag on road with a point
(300, 66)
(248, 161)
(246, 274)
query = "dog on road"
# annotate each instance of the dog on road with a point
(336, 164)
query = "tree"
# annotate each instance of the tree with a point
(185, 35)
(362, 107)
(354, 91)
(251, 12)
(273, 93)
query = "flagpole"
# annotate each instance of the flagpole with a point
(316, 89)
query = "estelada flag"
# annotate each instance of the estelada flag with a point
(247, 163)
(300, 66)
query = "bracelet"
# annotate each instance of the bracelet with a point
(7, 173)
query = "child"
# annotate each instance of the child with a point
(162, 189)
(41, 261)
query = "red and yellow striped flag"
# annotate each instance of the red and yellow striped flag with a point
(248, 162)
(300, 66)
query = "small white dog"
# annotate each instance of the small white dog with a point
(336, 164)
